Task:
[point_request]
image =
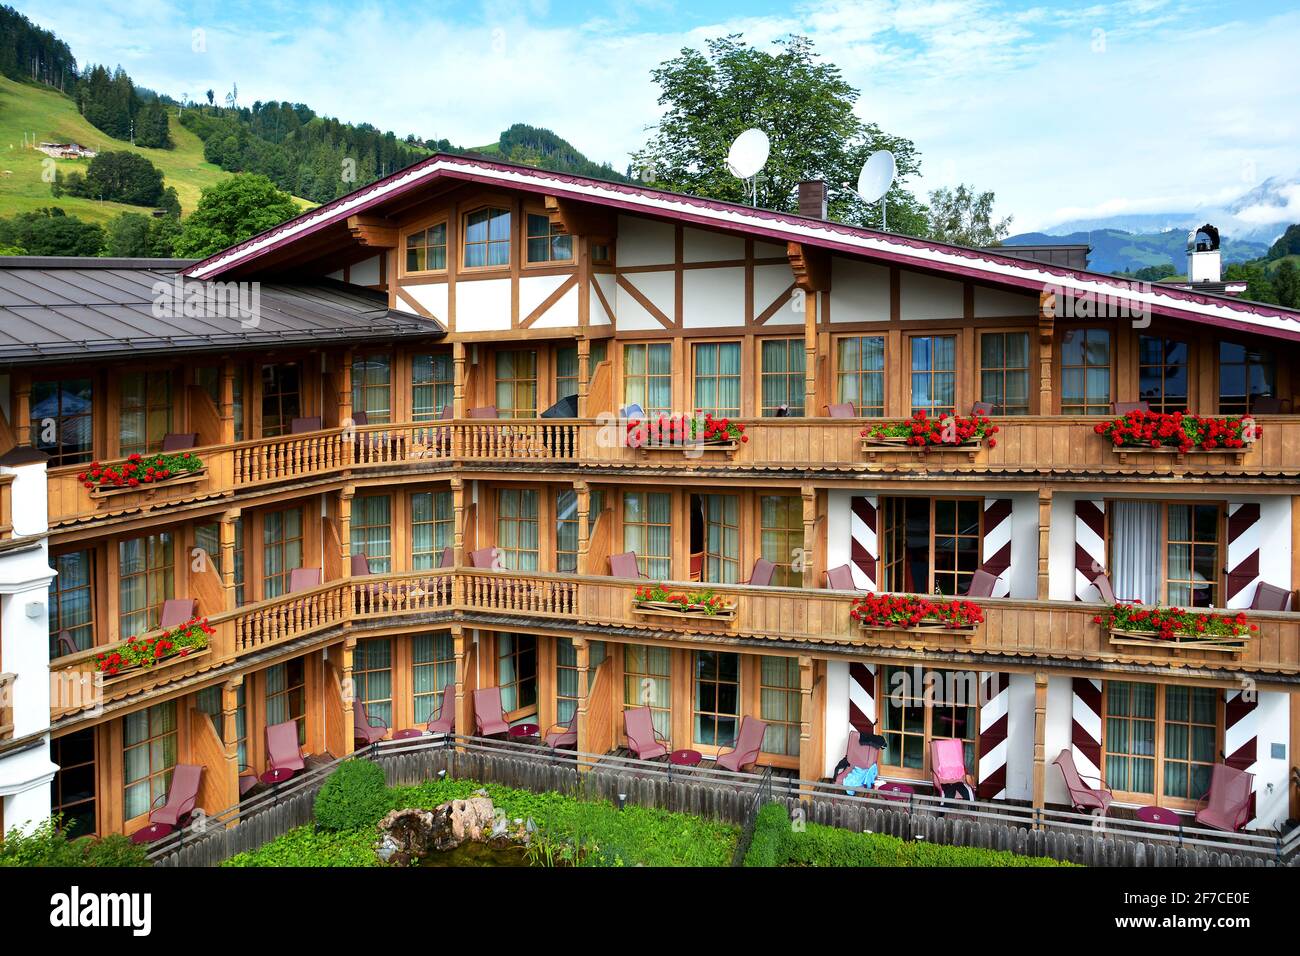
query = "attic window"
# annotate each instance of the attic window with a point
(546, 241)
(487, 238)
(426, 251)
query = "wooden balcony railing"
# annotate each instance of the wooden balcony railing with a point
(1038, 631)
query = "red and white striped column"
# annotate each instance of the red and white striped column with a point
(864, 546)
(1244, 533)
(1089, 546)
(995, 543)
(1241, 735)
(1085, 725)
(862, 696)
(991, 777)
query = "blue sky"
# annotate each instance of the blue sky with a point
(1065, 110)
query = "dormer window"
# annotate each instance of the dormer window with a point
(546, 241)
(426, 251)
(487, 238)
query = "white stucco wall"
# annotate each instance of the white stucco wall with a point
(483, 305)
(859, 291)
(1020, 738)
(926, 297)
(712, 298)
(1272, 783)
(644, 242)
(432, 297)
(658, 287)
(837, 714)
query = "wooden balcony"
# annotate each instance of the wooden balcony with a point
(1027, 633)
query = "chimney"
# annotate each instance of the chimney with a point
(1203, 263)
(812, 198)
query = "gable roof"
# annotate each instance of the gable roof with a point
(976, 264)
(57, 309)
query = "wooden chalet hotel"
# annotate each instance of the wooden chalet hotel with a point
(374, 506)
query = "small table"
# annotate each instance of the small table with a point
(520, 731)
(272, 777)
(154, 831)
(408, 734)
(1158, 815)
(685, 758)
(896, 791)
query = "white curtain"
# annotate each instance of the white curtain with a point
(1135, 550)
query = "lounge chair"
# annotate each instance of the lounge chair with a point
(856, 754)
(563, 735)
(841, 410)
(981, 584)
(446, 558)
(1102, 583)
(947, 764)
(282, 750)
(632, 412)
(364, 726)
(179, 442)
(748, 743)
(1270, 598)
(1227, 804)
(66, 644)
(625, 566)
(982, 408)
(303, 579)
(1123, 408)
(840, 578)
(181, 796)
(1266, 405)
(445, 721)
(299, 426)
(177, 611)
(762, 574)
(1083, 798)
(488, 719)
(642, 738)
(487, 411)
(486, 558)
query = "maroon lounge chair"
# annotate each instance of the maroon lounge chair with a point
(981, 585)
(1270, 598)
(982, 408)
(446, 558)
(841, 410)
(299, 426)
(762, 574)
(177, 611)
(180, 442)
(488, 719)
(364, 726)
(563, 735)
(303, 579)
(282, 750)
(66, 644)
(1102, 583)
(487, 411)
(1123, 408)
(840, 579)
(1266, 405)
(445, 721)
(181, 796)
(486, 559)
(1083, 797)
(642, 738)
(624, 565)
(748, 743)
(1227, 804)
(857, 754)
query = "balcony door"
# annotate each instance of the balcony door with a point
(929, 545)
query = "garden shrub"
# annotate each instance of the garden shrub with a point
(767, 848)
(354, 795)
(48, 845)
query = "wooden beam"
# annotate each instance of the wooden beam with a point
(582, 219)
(373, 231)
(811, 267)
(1040, 738)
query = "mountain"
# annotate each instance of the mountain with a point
(1114, 250)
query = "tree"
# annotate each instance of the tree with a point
(1259, 287)
(118, 177)
(1288, 244)
(151, 127)
(51, 232)
(232, 211)
(1286, 282)
(128, 236)
(1156, 273)
(964, 217)
(211, 97)
(805, 107)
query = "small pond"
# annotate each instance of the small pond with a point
(471, 853)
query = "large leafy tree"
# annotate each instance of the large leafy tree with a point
(964, 217)
(805, 107)
(232, 211)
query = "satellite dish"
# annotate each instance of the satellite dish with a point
(877, 175)
(748, 153)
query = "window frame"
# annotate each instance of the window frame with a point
(152, 443)
(1189, 348)
(1219, 584)
(889, 540)
(934, 409)
(160, 581)
(423, 229)
(362, 387)
(793, 345)
(644, 560)
(717, 377)
(519, 520)
(647, 376)
(1031, 396)
(58, 457)
(465, 243)
(1060, 369)
(435, 384)
(516, 382)
(840, 373)
(932, 702)
(528, 262)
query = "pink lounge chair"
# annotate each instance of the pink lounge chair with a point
(1123, 408)
(762, 574)
(299, 426)
(1083, 797)
(748, 744)
(282, 750)
(982, 408)
(857, 754)
(840, 579)
(303, 579)
(1227, 804)
(364, 726)
(488, 719)
(446, 559)
(181, 796)
(1102, 583)
(947, 763)
(841, 410)
(1270, 598)
(177, 611)
(625, 566)
(981, 584)
(66, 644)
(486, 559)
(180, 442)
(445, 722)
(487, 411)
(642, 738)
(360, 566)
(563, 735)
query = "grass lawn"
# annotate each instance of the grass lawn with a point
(609, 836)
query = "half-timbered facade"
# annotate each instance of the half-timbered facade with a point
(386, 399)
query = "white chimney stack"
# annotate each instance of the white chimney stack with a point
(1203, 263)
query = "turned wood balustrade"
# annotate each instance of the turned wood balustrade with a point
(1025, 446)
(1014, 632)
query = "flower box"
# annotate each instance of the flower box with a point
(917, 615)
(1122, 638)
(687, 434)
(161, 668)
(138, 473)
(657, 601)
(136, 655)
(1179, 434)
(1172, 628)
(922, 435)
(113, 491)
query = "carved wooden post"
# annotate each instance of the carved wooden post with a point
(458, 522)
(583, 491)
(22, 420)
(345, 529)
(464, 726)
(808, 761)
(227, 404)
(458, 378)
(226, 530)
(349, 692)
(230, 738)
(345, 387)
(809, 536)
(1040, 738)
(1046, 326)
(583, 651)
(1044, 540)
(584, 374)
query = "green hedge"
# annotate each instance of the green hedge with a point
(775, 843)
(49, 845)
(354, 795)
